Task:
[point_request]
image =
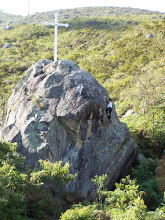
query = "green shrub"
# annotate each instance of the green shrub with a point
(99, 181)
(124, 202)
(12, 204)
(145, 171)
(82, 213)
(135, 212)
(159, 213)
(145, 175)
(124, 195)
(30, 194)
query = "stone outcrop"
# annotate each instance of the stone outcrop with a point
(57, 112)
(148, 36)
(8, 27)
(7, 45)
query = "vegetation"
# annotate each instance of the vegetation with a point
(87, 12)
(38, 194)
(124, 50)
(125, 202)
(28, 194)
(8, 18)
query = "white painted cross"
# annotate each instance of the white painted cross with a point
(56, 24)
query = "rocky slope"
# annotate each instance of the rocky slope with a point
(57, 112)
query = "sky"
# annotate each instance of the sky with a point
(20, 7)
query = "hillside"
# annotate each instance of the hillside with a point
(8, 18)
(89, 12)
(114, 49)
(65, 14)
(123, 49)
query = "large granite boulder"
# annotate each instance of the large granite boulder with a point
(57, 112)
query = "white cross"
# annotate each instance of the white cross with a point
(56, 24)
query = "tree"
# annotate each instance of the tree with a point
(99, 181)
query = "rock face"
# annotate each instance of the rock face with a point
(57, 112)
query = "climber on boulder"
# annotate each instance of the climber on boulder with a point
(109, 108)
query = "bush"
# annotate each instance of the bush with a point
(30, 194)
(82, 213)
(12, 204)
(124, 195)
(124, 202)
(145, 175)
(159, 213)
(144, 171)
(135, 212)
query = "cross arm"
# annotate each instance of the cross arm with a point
(49, 23)
(58, 24)
(63, 25)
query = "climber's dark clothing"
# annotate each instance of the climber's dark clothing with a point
(108, 111)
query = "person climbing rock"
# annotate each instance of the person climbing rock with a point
(109, 108)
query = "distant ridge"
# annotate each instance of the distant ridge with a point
(9, 18)
(64, 14)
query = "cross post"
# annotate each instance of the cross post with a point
(56, 24)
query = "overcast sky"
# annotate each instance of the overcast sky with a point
(20, 7)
